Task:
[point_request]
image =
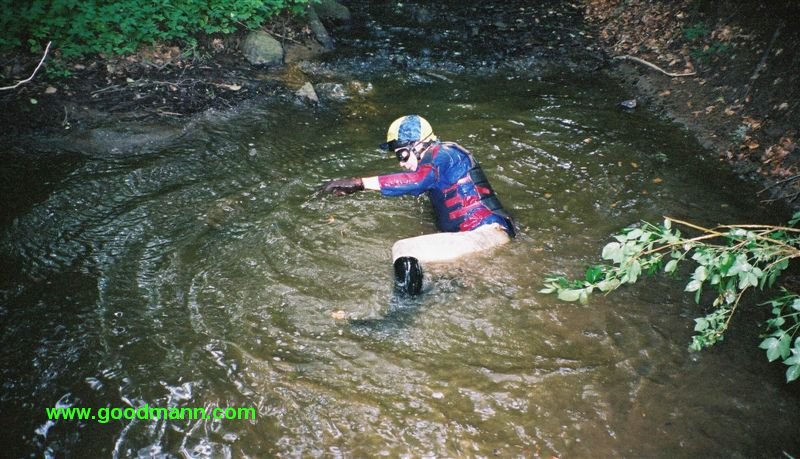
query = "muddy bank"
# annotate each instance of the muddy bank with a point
(114, 103)
(732, 79)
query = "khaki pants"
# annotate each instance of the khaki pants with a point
(444, 247)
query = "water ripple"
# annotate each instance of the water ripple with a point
(206, 275)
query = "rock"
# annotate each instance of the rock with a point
(332, 91)
(360, 88)
(307, 93)
(220, 212)
(339, 315)
(294, 53)
(332, 10)
(261, 49)
(340, 92)
(320, 33)
(628, 104)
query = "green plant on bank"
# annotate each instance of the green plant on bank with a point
(57, 68)
(84, 27)
(696, 31)
(697, 34)
(728, 260)
(706, 52)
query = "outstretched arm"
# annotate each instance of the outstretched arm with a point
(414, 183)
(343, 186)
(405, 183)
(371, 183)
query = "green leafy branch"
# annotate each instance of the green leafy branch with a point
(728, 260)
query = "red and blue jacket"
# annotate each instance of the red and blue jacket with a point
(459, 191)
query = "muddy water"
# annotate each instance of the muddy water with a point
(204, 274)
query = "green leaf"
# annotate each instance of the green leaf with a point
(768, 342)
(608, 285)
(594, 274)
(792, 373)
(747, 279)
(612, 251)
(634, 234)
(698, 343)
(776, 322)
(795, 219)
(701, 324)
(701, 273)
(570, 294)
(671, 266)
(725, 262)
(634, 271)
(784, 346)
(730, 296)
(740, 266)
(793, 360)
(738, 232)
(772, 346)
(693, 286)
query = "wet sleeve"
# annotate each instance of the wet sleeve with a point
(413, 183)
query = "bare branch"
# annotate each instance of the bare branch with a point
(653, 66)
(5, 88)
(763, 62)
(781, 182)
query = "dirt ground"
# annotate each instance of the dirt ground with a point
(733, 79)
(157, 83)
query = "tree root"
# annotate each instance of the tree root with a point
(653, 66)
(5, 88)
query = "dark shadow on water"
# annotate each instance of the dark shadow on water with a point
(401, 314)
(403, 310)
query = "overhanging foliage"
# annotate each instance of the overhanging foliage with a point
(83, 27)
(728, 260)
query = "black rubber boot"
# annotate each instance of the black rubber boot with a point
(407, 275)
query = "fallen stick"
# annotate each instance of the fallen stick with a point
(653, 66)
(107, 88)
(5, 88)
(763, 62)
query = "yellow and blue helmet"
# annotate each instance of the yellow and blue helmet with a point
(406, 130)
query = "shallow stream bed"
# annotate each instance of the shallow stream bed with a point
(205, 273)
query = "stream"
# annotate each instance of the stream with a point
(206, 272)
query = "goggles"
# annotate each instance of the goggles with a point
(403, 153)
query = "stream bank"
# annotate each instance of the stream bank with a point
(736, 86)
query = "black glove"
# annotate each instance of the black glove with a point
(344, 186)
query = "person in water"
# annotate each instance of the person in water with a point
(468, 212)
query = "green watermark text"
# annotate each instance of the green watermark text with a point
(145, 413)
